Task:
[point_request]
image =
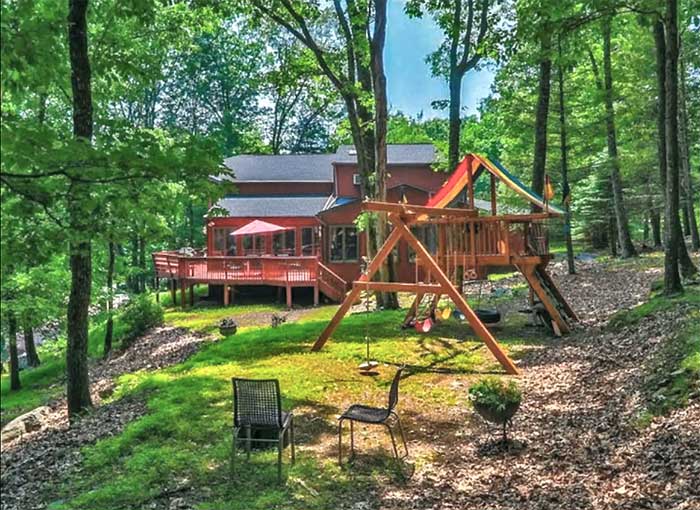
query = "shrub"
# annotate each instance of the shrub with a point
(495, 393)
(139, 315)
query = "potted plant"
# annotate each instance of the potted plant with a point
(228, 327)
(496, 400)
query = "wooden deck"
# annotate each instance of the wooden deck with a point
(277, 271)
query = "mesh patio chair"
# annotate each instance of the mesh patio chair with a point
(257, 406)
(376, 416)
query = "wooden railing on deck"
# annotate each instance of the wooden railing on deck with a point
(263, 269)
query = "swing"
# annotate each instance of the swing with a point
(368, 366)
(487, 316)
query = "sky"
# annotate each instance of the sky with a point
(410, 84)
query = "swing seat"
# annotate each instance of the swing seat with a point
(458, 315)
(446, 313)
(424, 326)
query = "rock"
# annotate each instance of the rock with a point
(28, 422)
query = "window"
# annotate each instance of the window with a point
(224, 242)
(284, 243)
(310, 237)
(344, 244)
(427, 235)
(253, 245)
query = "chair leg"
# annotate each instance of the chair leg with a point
(393, 440)
(247, 442)
(340, 442)
(403, 436)
(280, 444)
(291, 438)
(233, 450)
(352, 439)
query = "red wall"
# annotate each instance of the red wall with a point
(420, 176)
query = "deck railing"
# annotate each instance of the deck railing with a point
(266, 268)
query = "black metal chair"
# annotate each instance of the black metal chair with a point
(257, 406)
(375, 416)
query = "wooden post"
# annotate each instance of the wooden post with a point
(182, 294)
(316, 296)
(493, 195)
(289, 296)
(470, 187)
(157, 290)
(226, 295)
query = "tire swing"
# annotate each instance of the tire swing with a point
(367, 367)
(486, 315)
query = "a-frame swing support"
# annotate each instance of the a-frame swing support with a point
(443, 285)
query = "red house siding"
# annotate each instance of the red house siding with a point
(419, 176)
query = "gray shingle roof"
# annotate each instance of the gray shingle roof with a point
(421, 153)
(273, 205)
(281, 167)
(313, 167)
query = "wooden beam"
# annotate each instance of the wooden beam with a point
(226, 295)
(447, 288)
(528, 273)
(425, 288)
(557, 293)
(289, 296)
(470, 187)
(404, 209)
(493, 195)
(413, 309)
(372, 268)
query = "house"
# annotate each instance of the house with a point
(305, 207)
(317, 197)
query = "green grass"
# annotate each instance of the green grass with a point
(658, 303)
(206, 319)
(674, 377)
(185, 437)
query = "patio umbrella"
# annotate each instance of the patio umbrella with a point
(258, 227)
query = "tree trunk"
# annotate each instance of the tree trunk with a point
(455, 121)
(142, 263)
(109, 327)
(78, 384)
(661, 44)
(540, 153)
(566, 191)
(687, 175)
(623, 230)
(389, 299)
(672, 280)
(30, 347)
(12, 345)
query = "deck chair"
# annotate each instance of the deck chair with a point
(257, 406)
(376, 416)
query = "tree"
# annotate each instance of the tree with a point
(566, 190)
(465, 24)
(78, 384)
(661, 44)
(673, 234)
(623, 231)
(542, 113)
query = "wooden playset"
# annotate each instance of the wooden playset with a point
(468, 246)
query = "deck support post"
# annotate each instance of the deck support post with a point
(226, 295)
(157, 290)
(289, 296)
(183, 302)
(316, 297)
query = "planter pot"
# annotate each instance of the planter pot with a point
(228, 331)
(495, 415)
